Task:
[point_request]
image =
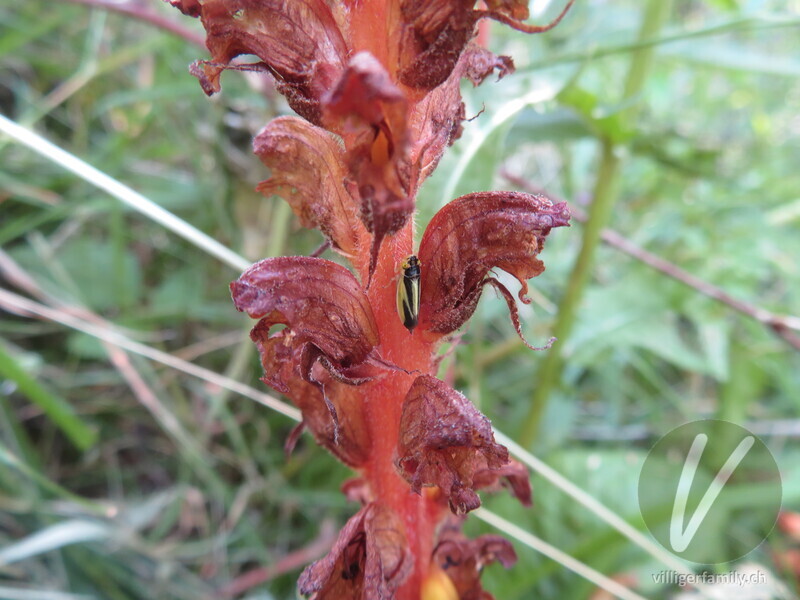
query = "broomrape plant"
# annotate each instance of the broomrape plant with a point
(376, 86)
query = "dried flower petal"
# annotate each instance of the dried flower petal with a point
(308, 171)
(365, 96)
(329, 336)
(191, 8)
(472, 235)
(445, 441)
(369, 560)
(370, 112)
(437, 32)
(463, 559)
(298, 41)
(433, 39)
(358, 489)
(320, 302)
(438, 116)
(331, 410)
(513, 475)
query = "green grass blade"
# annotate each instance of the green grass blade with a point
(122, 192)
(530, 540)
(75, 531)
(56, 408)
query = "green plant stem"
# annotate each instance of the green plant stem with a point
(604, 197)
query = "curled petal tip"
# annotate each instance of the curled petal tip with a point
(471, 236)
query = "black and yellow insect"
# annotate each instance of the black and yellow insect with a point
(408, 293)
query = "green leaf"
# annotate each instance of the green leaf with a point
(85, 346)
(735, 56)
(660, 335)
(604, 121)
(178, 293)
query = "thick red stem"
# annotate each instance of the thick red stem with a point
(383, 403)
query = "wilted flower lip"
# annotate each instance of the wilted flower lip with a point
(436, 33)
(299, 42)
(371, 556)
(445, 441)
(513, 475)
(514, 312)
(463, 559)
(331, 409)
(518, 9)
(328, 321)
(320, 302)
(309, 172)
(468, 238)
(437, 117)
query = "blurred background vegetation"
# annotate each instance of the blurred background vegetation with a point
(122, 478)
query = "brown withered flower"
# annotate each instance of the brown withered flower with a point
(370, 559)
(463, 560)
(376, 88)
(445, 441)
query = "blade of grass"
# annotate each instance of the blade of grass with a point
(122, 192)
(8, 593)
(14, 38)
(190, 447)
(9, 459)
(740, 25)
(82, 76)
(18, 439)
(550, 551)
(139, 11)
(74, 531)
(58, 410)
(17, 303)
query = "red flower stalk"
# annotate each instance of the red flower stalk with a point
(376, 85)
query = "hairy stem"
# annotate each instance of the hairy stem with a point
(383, 401)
